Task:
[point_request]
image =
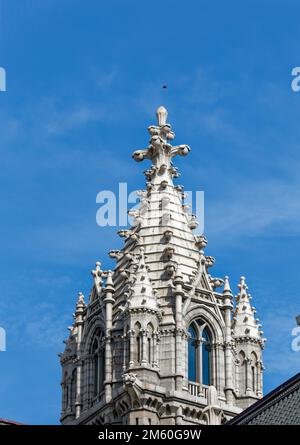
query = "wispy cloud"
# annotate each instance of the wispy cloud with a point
(105, 79)
(279, 356)
(59, 121)
(254, 208)
(35, 320)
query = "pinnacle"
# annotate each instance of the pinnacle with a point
(109, 281)
(226, 285)
(80, 300)
(162, 115)
(245, 323)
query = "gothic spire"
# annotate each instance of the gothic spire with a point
(141, 313)
(162, 224)
(244, 322)
(141, 292)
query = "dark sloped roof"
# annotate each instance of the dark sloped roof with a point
(280, 407)
(9, 422)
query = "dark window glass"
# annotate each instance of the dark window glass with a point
(205, 359)
(192, 355)
(199, 355)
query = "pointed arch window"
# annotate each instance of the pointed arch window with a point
(199, 355)
(127, 347)
(138, 337)
(205, 346)
(73, 388)
(149, 351)
(98, 358)
(242, 373)
(254, 372)
(65, 394)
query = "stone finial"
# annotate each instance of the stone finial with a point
(80, 300)
(109, 281)
(97, 274)
(226, 288)
(162, 115)
(243, 287)
(80, 306)
(161, 152)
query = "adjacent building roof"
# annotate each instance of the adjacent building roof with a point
(280, 407)
(9, 422)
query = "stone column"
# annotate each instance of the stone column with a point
(237, 383)
(84, 386)
(249, 376)
(219, 366)
(80, 306)
(88, 380)
(199, 364)
(84, 383)
(144, 360)
(63, 385)
(78, 401)
(126, 351)
(179, 416)
(131, 334)
(69, 388)
(259, 378)
(178, 359)
(155, 346)
(213, 360)
(178, 282)
(228, 342)
(108, 301)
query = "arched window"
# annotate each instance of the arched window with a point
(98, 353)
(205, 345)
(73, 388)
(150, 343)
(242, 372)
(138, 337)
(127, 347)
(254, 376)
(193, 354)
(199, 357)
(65, 394)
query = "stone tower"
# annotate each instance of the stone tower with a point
(157, 342)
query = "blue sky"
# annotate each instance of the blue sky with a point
(83, 82)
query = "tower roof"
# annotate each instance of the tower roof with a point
(162, 225)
